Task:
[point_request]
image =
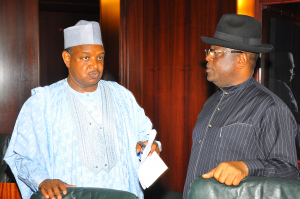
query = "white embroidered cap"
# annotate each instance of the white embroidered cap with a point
(84, 32)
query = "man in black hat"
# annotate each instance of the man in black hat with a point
(243, 129)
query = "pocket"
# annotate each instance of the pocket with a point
(237, 141)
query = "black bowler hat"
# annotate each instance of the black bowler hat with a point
(239, 32)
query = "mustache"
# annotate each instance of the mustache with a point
(209, 65)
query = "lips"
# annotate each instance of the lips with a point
(94, 74)
(208, 69)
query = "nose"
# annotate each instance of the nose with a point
(94, 63)
(208, 57)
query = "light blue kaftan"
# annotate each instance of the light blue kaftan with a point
(44, 143)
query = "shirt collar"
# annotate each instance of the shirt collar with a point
(238, 87)
(78, 93)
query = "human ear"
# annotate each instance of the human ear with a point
(67, 58)
(242, 60)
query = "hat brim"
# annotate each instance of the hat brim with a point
(263, 48)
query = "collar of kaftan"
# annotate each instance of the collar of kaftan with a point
(239, 87)
(96, 143)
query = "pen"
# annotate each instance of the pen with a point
(141, 143)
(143, 146)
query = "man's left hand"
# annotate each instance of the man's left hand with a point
(153, 148)
(230, 173)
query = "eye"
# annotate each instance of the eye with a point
(85, 58)
(100, 58)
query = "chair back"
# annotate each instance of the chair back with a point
(90, 193)
(250, 187)
(6, 175)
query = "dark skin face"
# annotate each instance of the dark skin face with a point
(228, 69)
(85, 67)
(222, 70)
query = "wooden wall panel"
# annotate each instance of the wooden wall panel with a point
(9, 191)
(131, 45)
(163, 64)
(19, 57)
(110, 28)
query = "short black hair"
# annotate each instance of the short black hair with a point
(69, 50)
(255, 57)
(252, 58)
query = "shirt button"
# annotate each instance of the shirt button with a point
(96, 166)
(218, 108)
(226, 93)
(90, 123)
(210, 126)
(100, 127)
(105, 164)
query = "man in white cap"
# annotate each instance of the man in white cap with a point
(79, 131)
(243, 129)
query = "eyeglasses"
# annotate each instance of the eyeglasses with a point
(212, 52)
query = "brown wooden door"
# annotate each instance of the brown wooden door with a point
(19, 57)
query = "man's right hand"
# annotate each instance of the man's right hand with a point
(48, 186)
(230, 173)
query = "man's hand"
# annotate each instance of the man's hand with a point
(230, 173)
(153, 148)
(48, 186)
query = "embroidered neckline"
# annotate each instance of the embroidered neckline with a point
(96, 143)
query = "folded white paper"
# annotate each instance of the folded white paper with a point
(151, 167)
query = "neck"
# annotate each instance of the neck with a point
(80, 88)
(237, 82)
(243, 76)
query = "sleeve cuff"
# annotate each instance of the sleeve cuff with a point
(255, 167)
(38, 179)
(159, 145)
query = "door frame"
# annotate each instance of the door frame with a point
(260, 3)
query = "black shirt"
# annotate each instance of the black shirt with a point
(249, 123)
